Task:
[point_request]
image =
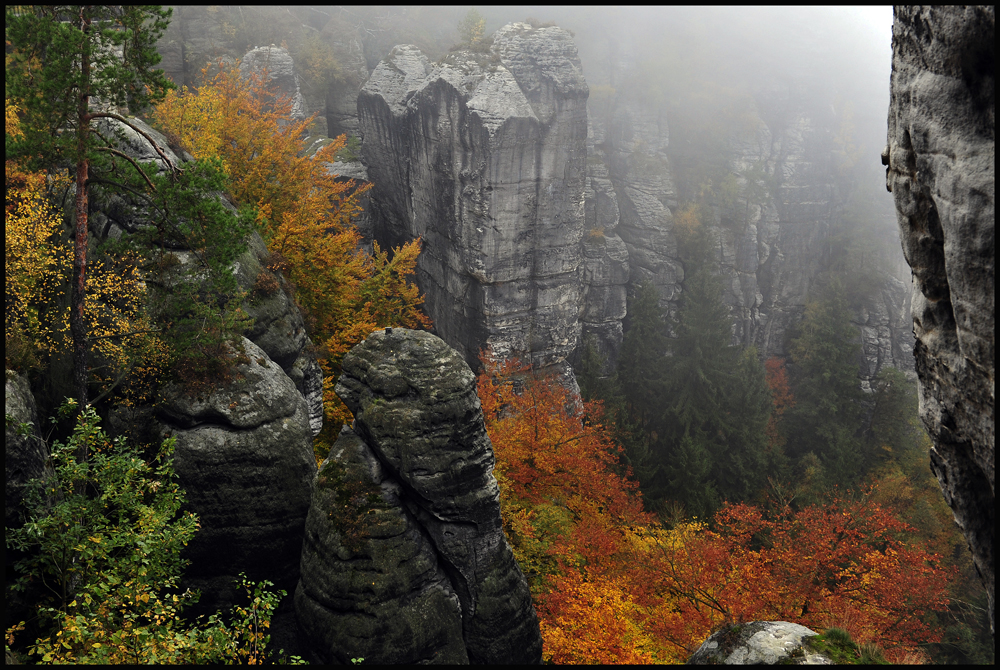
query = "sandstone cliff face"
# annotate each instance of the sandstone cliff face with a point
(447, 148)
(341, 98)
(280, 68)
(940, 158)
(430, 578)
(195, 38)
(482, 156)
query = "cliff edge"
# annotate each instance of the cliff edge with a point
(940, 158)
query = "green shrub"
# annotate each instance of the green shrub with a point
(101, 549)
(352, 150)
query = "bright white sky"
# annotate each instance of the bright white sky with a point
(879, 19)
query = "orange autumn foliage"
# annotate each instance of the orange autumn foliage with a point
(305, 214)
(611, 585)
(552, 455)
(842, 564)
(563, 507)
(241, 119)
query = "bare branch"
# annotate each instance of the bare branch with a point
(130, 160)
(152, 143)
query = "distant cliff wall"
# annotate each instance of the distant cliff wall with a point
(532, 235)
(482, 155)
(941, 171)
(771, 246)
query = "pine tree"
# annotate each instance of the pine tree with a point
(63, 57)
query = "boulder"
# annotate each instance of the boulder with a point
(940, 158)
(759, 643)
(386, 598)
(244, 456)
(482, 155)
(430, 577)
(278, 326)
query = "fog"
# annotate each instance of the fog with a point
(838, 52)
(708, 75)
(693, 63)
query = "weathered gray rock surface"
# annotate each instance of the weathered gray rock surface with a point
(941, 170)
(278, 327)
(446, 146)
(25, 453)
(341, 98)
(604, 273)
(194, 39)
(244, 453)
(280, 68)
(482, 155)
(244, 456)
(431, 577)
(25, 458)
(759, 643)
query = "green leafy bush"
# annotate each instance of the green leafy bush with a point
(101, 553)
(351, 152)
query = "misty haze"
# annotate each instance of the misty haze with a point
(499, 334)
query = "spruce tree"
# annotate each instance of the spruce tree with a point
(62, 57)
(607, 389)
(827, 416)
(717, 400)
(641, 381)
(641, 363)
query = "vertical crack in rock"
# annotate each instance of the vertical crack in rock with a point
(419, 432)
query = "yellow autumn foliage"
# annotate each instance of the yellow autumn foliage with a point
(38, 259)
(305, 214)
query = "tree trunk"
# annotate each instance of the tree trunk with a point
(77, 324)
